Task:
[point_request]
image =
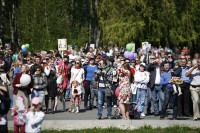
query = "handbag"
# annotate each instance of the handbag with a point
(108, 92)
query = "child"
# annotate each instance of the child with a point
(93, 92)
(76, 96)
(176, 73)
(34, 116)
(19, 113)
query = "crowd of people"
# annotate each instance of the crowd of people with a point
(159, 76)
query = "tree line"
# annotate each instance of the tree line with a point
(102, 22)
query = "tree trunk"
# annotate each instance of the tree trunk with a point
(3, 8)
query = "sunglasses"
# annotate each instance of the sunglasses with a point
(169, 56)
(38, 70)
(152, 58)
(77, 63)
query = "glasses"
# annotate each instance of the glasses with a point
(169, 56)
(97, 58)
(77, 63)
(152, 58)
(38, 70)
(28, 60)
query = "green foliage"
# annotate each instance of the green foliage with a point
(168, 22)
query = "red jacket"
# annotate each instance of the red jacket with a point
(17, 81)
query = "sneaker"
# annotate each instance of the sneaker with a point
(115, 106)
(143, 115)
(77, 111)
(73, 110)
(98, 118)
(104, 107)
(63, 110)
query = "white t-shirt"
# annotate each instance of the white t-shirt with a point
(77, 74)
(157, 80)
(195, 77)
(72, 57)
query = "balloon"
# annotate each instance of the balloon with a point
(14, 58)
(23, 46)
(126, 53)
(129, 47)
(117, 92)
(27, 46)
(25, 79)
(131, 56)
(24, 50)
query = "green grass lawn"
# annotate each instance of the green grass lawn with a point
(145, 129)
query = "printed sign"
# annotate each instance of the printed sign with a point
(62, 44)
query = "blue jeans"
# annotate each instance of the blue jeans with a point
(38, 93)
(67, 94)
(94, 93)
(148, 99)
(12, 99)
(167, 93)
(156, 92)
(141, 94)
(101, 97)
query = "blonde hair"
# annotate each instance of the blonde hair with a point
(79, 59)
(27, 68)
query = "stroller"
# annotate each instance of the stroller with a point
(134, 113)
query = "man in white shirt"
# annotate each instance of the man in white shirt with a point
(194, 74)
(156, 89)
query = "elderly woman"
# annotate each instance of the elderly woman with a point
(20, 90)
(39, 83)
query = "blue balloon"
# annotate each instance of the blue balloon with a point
(24, 50)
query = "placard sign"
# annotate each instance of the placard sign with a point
(62, 44)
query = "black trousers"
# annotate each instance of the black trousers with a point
(184, 100)
(4, 128)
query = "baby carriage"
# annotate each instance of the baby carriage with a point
(134, 113)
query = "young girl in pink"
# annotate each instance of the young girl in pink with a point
(19, 116)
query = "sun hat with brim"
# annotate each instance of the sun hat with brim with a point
(36, 101)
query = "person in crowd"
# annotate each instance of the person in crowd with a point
(124, 98)
(156, 89)
(194, 61)
(8, 59)
(89, 69)
(33, 67)
(19, 114)
(4, 108)
(166, 82)
(141, 80)
(137, 64)
(194, 74)
(184, 100)
(20, 90)
(93, 91)
(76, 97)
(34, 117)
(113, 80)
(50, 72)
(77, 73)
(29, 62)
(103, 83)
(72, 56)
(39, 83)
(17, 69)
(176, 76)
(67, 70)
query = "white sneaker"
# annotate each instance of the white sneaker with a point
(104, 107)
(115, 106)
(143, 115)
(77, 110)
(73, 110)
